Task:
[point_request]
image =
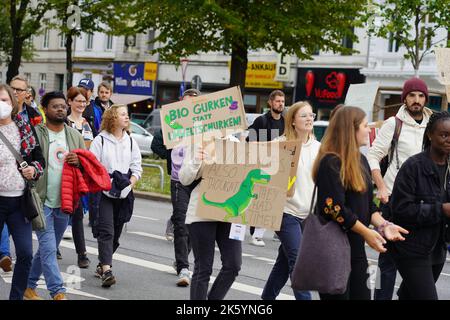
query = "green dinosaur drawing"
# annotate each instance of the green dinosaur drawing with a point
(238, 203)
(172, 124)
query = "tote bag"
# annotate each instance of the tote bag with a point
(323, 261)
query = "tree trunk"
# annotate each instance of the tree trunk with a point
(69, 62)
(16, 58)
(238, 63)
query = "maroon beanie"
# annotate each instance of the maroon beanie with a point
(414, 84)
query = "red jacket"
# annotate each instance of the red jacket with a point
(75, 182)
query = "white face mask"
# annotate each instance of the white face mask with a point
(5, 110)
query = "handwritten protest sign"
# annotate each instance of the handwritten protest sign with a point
(362, 95)
(240, 190)
(213, 115)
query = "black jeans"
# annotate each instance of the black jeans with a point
(204, 235)
(78, 230)
(109, 229)
(357, 288)
(419, 279)
(386, 265)
(180, 196)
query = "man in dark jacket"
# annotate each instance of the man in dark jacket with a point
(103, 99)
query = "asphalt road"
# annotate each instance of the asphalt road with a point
(143, 265)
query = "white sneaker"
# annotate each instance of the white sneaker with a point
(257, 242)
(68, 233)
(184, 278)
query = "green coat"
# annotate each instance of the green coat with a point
(74, 141)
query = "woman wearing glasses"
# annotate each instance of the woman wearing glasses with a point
(298, 127)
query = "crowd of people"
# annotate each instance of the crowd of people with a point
(409, 229)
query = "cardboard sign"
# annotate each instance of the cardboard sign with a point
(362, 95)
(209, 115)
(251, 193)
(294, 148)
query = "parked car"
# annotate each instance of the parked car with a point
(143, 138)
(153, 122)
(319, 129)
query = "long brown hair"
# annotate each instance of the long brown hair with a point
(289, 130)
(340, 140)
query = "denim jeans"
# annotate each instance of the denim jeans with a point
(204, 236)
(290, 235)
(44, 261)
(11, 214)
(4, 242)
(180, 199)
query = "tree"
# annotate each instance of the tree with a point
(234, 27)
(25, 19)
(412, 23)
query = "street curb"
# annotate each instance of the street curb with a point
(152, 196)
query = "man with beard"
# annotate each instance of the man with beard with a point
(266, 128)
(409, 123)
(57, 141)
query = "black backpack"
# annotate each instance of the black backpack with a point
(386, 161)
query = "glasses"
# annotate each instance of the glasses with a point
(305, 115)
(18, 90)
(59, 106)
(81, 101)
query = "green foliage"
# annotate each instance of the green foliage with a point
(405, 20)
(193, 26)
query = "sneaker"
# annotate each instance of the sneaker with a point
(275, 237)
(30, 294)
(58, 254)
(184, 278)
(169, 230)
(68, 233)
(83, 261)
(98, 271)
(108, 279)
(257, 242)
(60, 296)
(6, 264)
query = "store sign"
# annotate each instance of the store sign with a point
(150, 71)
(283, 72)
(325, 87)
(129, 79)
(262, 75)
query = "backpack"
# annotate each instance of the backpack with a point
(386, 161)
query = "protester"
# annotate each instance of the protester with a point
(344, 195)
(19, 85)
(120, 155)
(57, 141)
(180, 195)
(104, 93)
(22, 137)
(92, 113)
(299, 120)
(266, 128)
(408, 125)
(205, 233)
(421, 204)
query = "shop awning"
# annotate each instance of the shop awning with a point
(120, 98)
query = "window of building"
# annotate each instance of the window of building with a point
(46, 39)
(151, 36)
(59, 82)
(62, 40)
(89, 41)
(42, 81)
(27, 76)
(87, 75)
(109, 42)
(394, 43)
(347, 42)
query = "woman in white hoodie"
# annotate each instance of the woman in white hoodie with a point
(299, 126)
(120, 155)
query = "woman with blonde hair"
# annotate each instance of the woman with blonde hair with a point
(298, 127)
(344, 195)
(120, 155)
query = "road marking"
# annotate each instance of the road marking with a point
(146, 218)
(169, 269)
(148, 235)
